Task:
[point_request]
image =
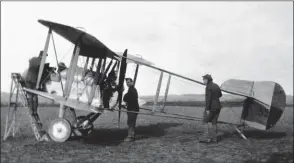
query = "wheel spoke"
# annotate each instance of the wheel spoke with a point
(59, 130)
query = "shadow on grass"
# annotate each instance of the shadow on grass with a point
(285, 157)
(254, 134)
(116, 136)
(258, 134)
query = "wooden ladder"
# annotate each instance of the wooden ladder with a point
(18, 98)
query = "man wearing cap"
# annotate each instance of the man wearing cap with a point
(212, 106)
(131, 99)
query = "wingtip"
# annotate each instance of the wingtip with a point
(41, 20)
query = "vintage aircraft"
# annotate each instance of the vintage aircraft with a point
(264, 104)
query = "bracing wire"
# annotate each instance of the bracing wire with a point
(70, 48)
(57, 62)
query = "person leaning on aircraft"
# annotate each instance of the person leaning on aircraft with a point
(30, 77)
(212, 107)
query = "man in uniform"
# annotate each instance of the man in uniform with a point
(131, 99)
(30, 77)
(108, 88)
(212, 107)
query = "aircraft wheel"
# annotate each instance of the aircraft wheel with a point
(82, 130)
(59, 130)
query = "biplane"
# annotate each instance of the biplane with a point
(264, 104)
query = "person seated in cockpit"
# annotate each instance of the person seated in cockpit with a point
(62, 73)
(109, 91)
(61, 67)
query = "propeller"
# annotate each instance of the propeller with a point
(122, 73)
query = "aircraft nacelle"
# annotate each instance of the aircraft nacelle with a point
(264, 104)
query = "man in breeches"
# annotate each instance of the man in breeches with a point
(131, 99)
(212, 107)
(30, 77)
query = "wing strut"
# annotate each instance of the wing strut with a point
(44, 55)
(85, 69)
(157, 92)
(96, 79)
(57, 63)
(70, 77)
(102, 71)
(92, 64)
(136, 74)
(71, 71)
(107, 69)
(166, 92)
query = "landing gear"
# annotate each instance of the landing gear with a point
(60, 130)
(83, 126)
(241, 131)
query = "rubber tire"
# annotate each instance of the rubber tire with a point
(67, 132)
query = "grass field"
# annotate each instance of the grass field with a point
(158, 140)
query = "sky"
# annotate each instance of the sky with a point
(229, 40)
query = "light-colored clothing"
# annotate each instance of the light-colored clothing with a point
(80, 89)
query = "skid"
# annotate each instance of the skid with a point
(241, 131)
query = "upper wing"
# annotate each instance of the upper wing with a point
(90, 45)
(141, 61)
(236, 87)
(134, 59)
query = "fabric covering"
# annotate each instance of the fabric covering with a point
(90, 46)
(80, 89)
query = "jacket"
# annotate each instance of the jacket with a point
(31, 74)
(131, 99)
(212, 95)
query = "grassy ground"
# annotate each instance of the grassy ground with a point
(158, 140)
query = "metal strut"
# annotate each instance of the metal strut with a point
(241, 131)
(20, 100)
(157, 92)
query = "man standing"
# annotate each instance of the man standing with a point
(212, 106)
(131, 99)
(30, 77)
